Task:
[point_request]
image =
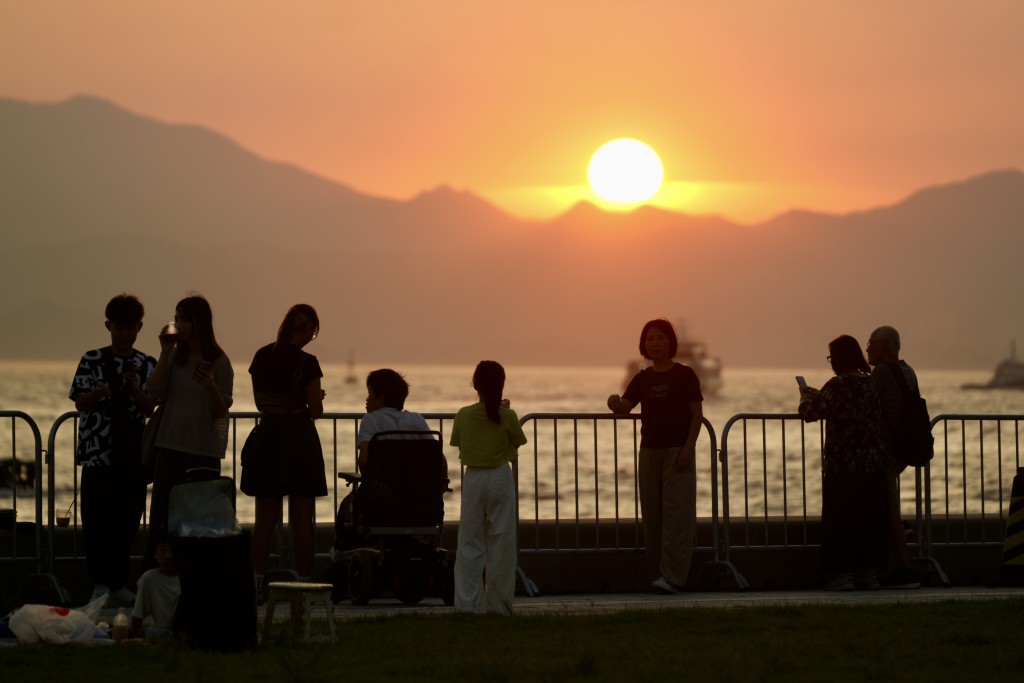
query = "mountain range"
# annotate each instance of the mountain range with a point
(95, 200)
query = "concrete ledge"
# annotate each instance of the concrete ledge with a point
(599, 558)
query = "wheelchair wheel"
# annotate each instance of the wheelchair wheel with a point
(360, 577)
(337, 576)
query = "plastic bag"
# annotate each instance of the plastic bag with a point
(57, 625)
(203, 509)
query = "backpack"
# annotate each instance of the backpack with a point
(912, 436)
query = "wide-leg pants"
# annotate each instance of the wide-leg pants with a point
(487, 541)
(668, 503)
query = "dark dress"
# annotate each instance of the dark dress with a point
(854, 493)
(286, 459)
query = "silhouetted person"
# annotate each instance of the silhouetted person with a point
(193, 381)
(671, 416)
(488, 436)
(109, 391)
(883, 356)
(854, 498)
(288, 458)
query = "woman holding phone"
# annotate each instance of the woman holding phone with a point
(854, 492)
(192, 382)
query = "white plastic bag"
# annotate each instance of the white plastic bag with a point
(57, 625)
(202, 509)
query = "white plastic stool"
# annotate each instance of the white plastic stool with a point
(301, 596)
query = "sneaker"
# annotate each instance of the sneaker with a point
(866, 580)
(665, 587)
(899, 579)
(98, 592)
(123, 596)
(842, 582)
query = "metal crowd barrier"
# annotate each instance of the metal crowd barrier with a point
(963, 494)
(778, 464)
(23, 470)
(969, 479)
(577, 476)
(773, 457)
(338, 434)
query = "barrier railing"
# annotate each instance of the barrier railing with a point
(773, 481)
(577, 475)
(581, 480)
(338, 435)
(23, 469)
(976, 458)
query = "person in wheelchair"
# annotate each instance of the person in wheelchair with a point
(386, 392)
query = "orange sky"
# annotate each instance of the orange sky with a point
(755, 106)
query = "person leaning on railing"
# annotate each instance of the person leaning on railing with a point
(671, 415)
(854, 494)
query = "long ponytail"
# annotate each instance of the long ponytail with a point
(489, 381)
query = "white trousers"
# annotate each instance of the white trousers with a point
(487, 542)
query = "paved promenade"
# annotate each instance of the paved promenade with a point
(604, 604)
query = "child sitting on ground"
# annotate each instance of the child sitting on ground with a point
(158, 591)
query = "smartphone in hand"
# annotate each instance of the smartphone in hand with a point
(801, 381)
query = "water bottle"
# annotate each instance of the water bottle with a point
(121, 626)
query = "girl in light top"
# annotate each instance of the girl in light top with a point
(488, 435)
(192, 381)
(670, 420)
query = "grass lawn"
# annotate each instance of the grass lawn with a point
(944, 641)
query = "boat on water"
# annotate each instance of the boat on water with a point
(693, 354)
(1009, 373)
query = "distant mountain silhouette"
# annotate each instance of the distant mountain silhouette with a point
(95, 200)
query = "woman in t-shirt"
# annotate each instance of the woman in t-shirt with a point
(670, 419)
(488, 436)
(287, 459)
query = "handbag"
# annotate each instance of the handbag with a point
(147, 447)
(270, 436)
(262, 442)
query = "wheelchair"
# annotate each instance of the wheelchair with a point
(389, 529)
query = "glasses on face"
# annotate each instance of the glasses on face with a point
(307, 324)
(875, 342)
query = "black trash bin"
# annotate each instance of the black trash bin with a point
(217, 606)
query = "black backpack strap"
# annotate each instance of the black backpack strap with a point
(901, 379)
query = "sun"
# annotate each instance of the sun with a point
(625, 171)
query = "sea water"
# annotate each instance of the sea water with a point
(40, 389)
